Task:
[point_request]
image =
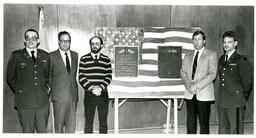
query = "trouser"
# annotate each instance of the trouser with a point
(31, 119)
(202, 109)
(65, 115)
(90, 103)
(231, 120)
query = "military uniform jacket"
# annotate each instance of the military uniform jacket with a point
(63, 84)
(29, 80)
(235, 81)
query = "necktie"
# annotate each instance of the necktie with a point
(226, 58)
(67, 63)
(96, 58)
(33, 56)
(194, 65)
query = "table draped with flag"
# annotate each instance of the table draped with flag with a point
(147, 84)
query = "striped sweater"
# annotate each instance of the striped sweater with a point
(95, 72)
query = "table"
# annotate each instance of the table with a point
(126, 90)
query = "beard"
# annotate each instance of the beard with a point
(95, 50)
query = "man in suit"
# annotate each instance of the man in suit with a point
(235, 86)
(95, 74)
(64, 89)
(28, 77)
(198, 72)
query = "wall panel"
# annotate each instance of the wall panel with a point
(80, 21)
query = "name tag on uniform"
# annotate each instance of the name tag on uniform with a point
(44, 61)
(23, 64)
(232, 64)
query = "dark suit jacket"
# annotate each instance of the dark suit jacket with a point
(63, 85)
(235, 81)
(29, 80)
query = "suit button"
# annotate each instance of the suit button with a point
(222, 79)
(222, 84)
(231, 69)
(35, 66)
(223, 74)
(35, 72)
(237, 91)
(35, 78)
(224, 68)
(20, 91)
(35, 83)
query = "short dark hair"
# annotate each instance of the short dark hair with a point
(62, 33)
(197, 33)
(101, 41)
(32, 30)
(229, 34)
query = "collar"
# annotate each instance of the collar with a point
(29, 51)
(230, 53)
(93, 55)
(200, 52)
(63, 53)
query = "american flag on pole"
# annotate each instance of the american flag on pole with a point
(42, 30)
(44, 45)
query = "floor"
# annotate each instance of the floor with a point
(181, 130)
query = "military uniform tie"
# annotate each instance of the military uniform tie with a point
(33, 56)
(226, 59)
(67, 63)
(194, 65)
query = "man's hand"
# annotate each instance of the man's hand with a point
(96, 90)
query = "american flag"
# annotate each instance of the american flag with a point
(148, 84)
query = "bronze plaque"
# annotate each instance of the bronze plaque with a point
(126, 61)
(169, 61)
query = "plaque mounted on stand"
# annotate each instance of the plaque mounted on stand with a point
(169, 61)
(126, 61)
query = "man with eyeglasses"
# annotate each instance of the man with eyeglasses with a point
(64, 91)
(95, 74)
(28, 77)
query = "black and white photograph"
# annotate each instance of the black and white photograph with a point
(175, 68)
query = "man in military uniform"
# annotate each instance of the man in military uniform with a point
(28, 76)
(235, 86)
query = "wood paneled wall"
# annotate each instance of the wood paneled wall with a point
(80, 21)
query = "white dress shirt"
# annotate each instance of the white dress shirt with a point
(93, 55)
(199, 54)
(29, 52)
(62, 53)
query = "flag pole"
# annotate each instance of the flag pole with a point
(43, 45)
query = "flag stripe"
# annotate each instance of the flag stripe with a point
(146, 83)
(147, 88)
(153, 62)
(184, 45)
(148, 73)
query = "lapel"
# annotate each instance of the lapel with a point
(59, 59)
(232, 57)
(27, 56)
(73, 60)
(191, 61)
(202, 57)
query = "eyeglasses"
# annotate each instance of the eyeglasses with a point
(64, 41)
(34, 38)
(98, 44)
